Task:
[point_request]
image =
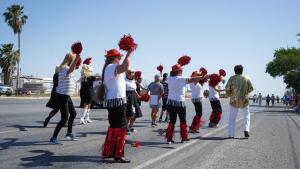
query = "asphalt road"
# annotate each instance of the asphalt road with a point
(274, 141)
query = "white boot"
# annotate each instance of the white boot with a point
(82, 119)
(88, 120)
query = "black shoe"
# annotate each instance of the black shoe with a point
(160, 120)
(166, 120)
(246, 134)
(122, 160)
(46, 122)
(170, 141)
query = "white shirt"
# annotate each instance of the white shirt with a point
(213, 94)
(114, 83)
(130, 85)
(177, 88)
(197, 90)
(66, 82)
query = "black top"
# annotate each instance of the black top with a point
(166, 88)
(87, 85)
(55, 83)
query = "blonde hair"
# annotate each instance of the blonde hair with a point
(69, 58)
(85, 72)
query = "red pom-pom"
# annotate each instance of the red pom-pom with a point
(203, 71)
(137, 75)
(136, 144)
(145, 98)
(76, 48)
(87, 61)
(203, 81)
(78, 63)
(160, 68)
(184, 60)
(222, 72)
(214, 80)
(127, 43)
(195, 74)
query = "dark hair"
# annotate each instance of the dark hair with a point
(165, 76)
(238, 69)
(107, 62)
(173, 73)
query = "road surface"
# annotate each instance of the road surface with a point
(274, 141)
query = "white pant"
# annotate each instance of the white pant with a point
(232, 118)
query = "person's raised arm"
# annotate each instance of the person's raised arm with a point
(73, 64)
(197, 79)
(125, 65)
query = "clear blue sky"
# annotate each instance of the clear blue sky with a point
(216, 34)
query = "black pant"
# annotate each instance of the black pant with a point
(52, 113)
(198, 108)
(66, 107)
(216, 106)
(117, 117)
(173, 111)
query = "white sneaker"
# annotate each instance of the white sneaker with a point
(88, 120)
(82, 121)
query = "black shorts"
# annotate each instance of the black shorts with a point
(164, 105)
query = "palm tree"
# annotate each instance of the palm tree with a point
(8, 61)
(15, 18)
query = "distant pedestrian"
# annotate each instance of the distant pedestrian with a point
(238, 88)
(259, 99)
(273, 99)
(268, 99)
(277, 99)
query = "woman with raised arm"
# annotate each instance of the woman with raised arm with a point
(115, 101)
(176, 102)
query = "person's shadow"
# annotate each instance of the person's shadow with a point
(46, 158)
(13, 142)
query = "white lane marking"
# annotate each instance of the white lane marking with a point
(151, 161)
(9, 131)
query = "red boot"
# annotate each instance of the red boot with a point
(109, 144)
(120, 142)
(196, 124)
(170, 133)
(184, 132)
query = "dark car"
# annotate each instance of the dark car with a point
(23, 91)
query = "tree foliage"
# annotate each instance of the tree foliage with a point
(286, 64)
(15, 18)
(8, 61)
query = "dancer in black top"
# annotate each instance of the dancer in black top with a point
(87, 91)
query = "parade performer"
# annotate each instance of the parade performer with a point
(139, 85)
(115, 99)
(86, 90)
(214, 98)
(176, 99)
(238, 88)
(197, 96)
(156, 91)
(133, 106)
(52, 103)
(164, 82)
(64, 91)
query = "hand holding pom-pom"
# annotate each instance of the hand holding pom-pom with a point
(203, 71)
(214, 80)
(77, 48)
(145, 97)
(160, 68)
(222, 72)
(87, 61)
(78, 63)
(127, 43)
(184, 60)
(137, 75)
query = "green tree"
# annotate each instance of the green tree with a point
(15, 18)
(286, 64)
(8, 61)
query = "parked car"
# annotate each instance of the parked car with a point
(5, 90)
(23, 91)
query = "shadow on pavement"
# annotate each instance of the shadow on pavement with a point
(85, 134)
(13, 142)
(47, 158)
(24, 128)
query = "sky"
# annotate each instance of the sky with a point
(216, 34)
